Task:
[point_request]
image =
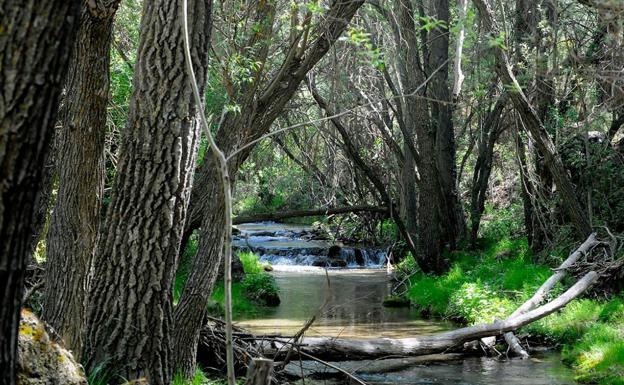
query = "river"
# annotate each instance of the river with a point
(348, 304)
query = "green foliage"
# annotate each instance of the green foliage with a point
(261, 288)
(407, 266)
(251, 263)
(360, 38)
(505, 222)
(99, 376)
(594, 336)
(476, 302)
(241, 304)
(199, 378)
(482, 286)
(498, 41)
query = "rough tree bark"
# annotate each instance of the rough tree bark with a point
(35, 44)
(259, 109)
(416, 113)
(441, 111)
(129, 316)
(74, 224)
(532, 123)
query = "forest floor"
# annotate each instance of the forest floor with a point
(491, 282)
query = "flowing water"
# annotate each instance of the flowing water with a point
(348, 304)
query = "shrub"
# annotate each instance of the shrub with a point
(251, 263)
(262, 288)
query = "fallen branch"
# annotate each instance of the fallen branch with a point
(373, 348)
(308, 213)
(542, 292)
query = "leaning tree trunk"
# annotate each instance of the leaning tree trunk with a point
(34, 50)
(258, 113)
(129, 316)
(531, 121)
(72, 235)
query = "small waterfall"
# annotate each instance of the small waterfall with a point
(301, 247)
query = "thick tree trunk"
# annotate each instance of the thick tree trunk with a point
(257, 115)
(73, 231)
(190, 310)
(451, 210)
(34, 51)
(429, 256)
(532, 123)
(308, 213)
(129, 316)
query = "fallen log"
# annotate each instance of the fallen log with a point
(308, 213)
(336, 348)
(542, 292)
(307, 369)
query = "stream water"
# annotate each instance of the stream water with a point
(348, 304)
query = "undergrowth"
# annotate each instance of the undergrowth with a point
(491, 282)
(256, 289)
(200, 378)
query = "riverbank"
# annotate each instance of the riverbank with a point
(489, 283)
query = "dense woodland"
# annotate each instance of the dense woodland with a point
(452, 134)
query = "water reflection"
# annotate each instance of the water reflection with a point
(354, 307)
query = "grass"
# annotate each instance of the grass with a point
(199, 378)
(256, 289)
(481, 287)
(251, 263)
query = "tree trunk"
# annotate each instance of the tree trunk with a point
(540, 295)
(73, 231)
(34, 51)
(451, 210)
(532, 123)
(483, 166)
(309, 213)
(255, 119)
(129, 316)
(429, 256)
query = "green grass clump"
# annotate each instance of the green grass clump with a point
(598, 354)
(241, 304)
(251, 263)
(261, 288)
(200, 378)
(570, 324)
(481, 285)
